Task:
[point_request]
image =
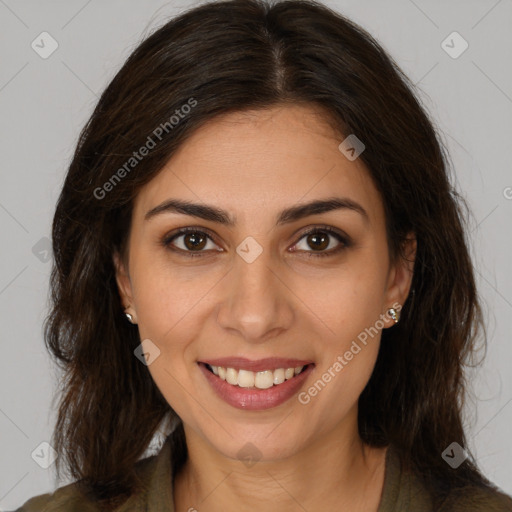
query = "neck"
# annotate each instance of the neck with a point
(337, 471)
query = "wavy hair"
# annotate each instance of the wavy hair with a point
(232, 56)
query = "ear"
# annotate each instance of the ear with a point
(123, 283)
(400, 276)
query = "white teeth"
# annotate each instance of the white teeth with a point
(261, 380)
(264, 380)
(231, 376)
(279, 376)
(245, 379)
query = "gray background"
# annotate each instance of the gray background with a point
(45, 102)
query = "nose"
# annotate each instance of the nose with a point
(257, 304)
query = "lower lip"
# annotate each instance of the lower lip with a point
(255, 399)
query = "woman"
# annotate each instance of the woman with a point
(257, 244)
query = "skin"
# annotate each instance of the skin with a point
(254, 165)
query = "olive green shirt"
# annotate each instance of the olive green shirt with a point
(402, 492)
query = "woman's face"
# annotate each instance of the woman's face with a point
(249, 281)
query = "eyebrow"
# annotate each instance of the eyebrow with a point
(289, 215)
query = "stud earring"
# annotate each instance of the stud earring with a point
(394, 314)
(128, 316)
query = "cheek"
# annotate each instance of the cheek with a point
(167, 311)
(168, 300)
(337, 386)
(349, 306)
(348, 302)
(349, 347)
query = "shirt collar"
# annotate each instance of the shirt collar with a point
(160, 496)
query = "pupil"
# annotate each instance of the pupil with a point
(196, 241)
(316, 237)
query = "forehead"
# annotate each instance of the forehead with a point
(261, 161)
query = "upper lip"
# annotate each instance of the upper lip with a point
(269, 363)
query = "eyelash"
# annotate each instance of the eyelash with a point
(345, 241)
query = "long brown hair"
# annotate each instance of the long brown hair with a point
(231, 56)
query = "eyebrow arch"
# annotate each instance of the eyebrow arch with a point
(287, 216)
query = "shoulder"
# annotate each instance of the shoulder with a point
(405, 490)
(69, 498)
(476, 499)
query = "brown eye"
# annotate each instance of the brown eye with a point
(194, 241)
(189, 241)
(317, 240)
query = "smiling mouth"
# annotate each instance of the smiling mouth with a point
(255, 380)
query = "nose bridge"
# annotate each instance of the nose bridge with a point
(255, 303)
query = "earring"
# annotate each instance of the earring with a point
(129, 317)
(394, 314)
